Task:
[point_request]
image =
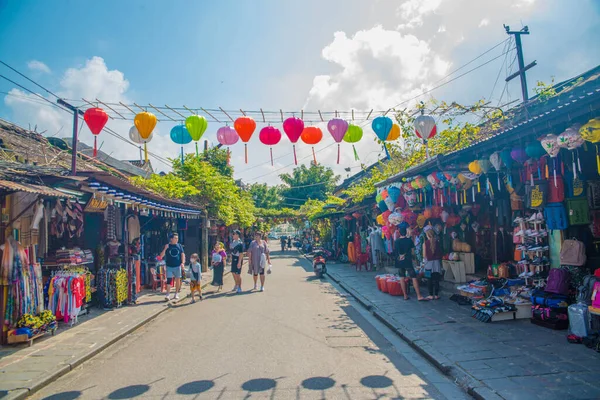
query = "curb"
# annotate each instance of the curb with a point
(469, 384)
(24, 393)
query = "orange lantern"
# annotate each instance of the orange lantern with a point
(145, 123)
(312, 135)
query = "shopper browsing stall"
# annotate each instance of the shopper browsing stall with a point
(432, 254)
(174, 259)
(404, 252)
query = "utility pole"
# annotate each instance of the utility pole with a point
(76, 113)
(522, 67)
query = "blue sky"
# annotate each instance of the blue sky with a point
(327, 55)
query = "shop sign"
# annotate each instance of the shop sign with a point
(96, 205)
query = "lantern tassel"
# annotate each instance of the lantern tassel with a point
(554, 172)
(578, 162)
(473, 187)
(356, 154)
(197, 149)
(271, 149)
(296, 158)
(387, 153)
(146, 152)
(338, 159)
(228, 156)
(95, 146)
(182, 159)
(498, 176)
(246, 151)
(314, 155)
(574, 166)
(597, 159)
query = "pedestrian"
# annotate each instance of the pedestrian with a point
(432, 255)
(289, 242)
(219, 257)
(237, 259)
(404, 253)
(174, 259)
(282, 239)
(259, 258)
(196, 276)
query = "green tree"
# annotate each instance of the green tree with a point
(218, 157)
(265, 196)
(303, 184)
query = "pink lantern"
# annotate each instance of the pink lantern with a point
(227, 136)
(337, 127)
(293, 128)
(270, 136)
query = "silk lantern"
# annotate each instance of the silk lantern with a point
(312, 135)
(425, 129)
(353, 135)
(394, 193)
(145, 123)
(245, 126)
(196, 126)
(227, 136)
(135, 137)
(550, 144)
(591, 133)
(270, 136)
(496, 162)
(293, 128)
(382, 127)
(180, 135)
(394, 133)
(337, 127)
(95, 118)
(570, 139)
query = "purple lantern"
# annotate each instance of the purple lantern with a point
(519, 155)
(337, 127)
(227, 136)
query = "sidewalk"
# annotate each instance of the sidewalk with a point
(499, 360)
(24, 370)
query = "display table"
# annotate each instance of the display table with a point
(469, 260)
(455, 271)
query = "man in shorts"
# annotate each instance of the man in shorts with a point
(404, 252)
(237, 259)
(174, 259)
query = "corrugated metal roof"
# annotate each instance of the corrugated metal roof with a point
(31, 188)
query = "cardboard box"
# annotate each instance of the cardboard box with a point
(469, 260)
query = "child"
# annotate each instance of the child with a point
(196, 276)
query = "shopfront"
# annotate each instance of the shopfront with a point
(512, 212)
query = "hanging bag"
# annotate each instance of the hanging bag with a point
(556, 216)
(572, 252)
(578, 210)
(558, 281)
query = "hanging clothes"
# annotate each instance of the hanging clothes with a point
(133, 227)
(504, 246)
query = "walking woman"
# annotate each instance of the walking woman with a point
(432, 254)
(259, 258)
(218, 264)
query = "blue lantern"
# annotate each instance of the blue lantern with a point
(180, 135)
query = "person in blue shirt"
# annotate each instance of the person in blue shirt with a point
(174, 259)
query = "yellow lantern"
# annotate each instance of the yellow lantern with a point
(145, 123)
(591, 133)
(379, 219)
(475, 168)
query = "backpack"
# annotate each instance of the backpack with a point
(572, 253)
(544, 299)
(556, 193)
(579, 212)
(536, 194)
(556, 216)
(558, 281)
(586, 289)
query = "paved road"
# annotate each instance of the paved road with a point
(300, 339)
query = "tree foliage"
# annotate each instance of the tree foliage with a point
(168, 185)
(307, 183)
(264, 196)
(219, 158)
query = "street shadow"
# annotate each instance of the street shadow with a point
(129, 392)
(376, 381)
(303, 263)
(71, 395)
(318, 383)
(195, 387)
(259, 385)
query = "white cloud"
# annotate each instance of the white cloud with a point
(484, 22)
(90, 81)
(38, 66)
(413, 11)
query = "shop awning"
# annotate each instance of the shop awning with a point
(31, 188)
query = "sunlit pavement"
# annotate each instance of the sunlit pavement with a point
(300, 339)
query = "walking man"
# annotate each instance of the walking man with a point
(237, 259)
(174, 259)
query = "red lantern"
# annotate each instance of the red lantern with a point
(95, 118)
(270, 136)
(245, 127)
(293, 128)
(312, 135)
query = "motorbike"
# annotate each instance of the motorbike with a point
(319, 264)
